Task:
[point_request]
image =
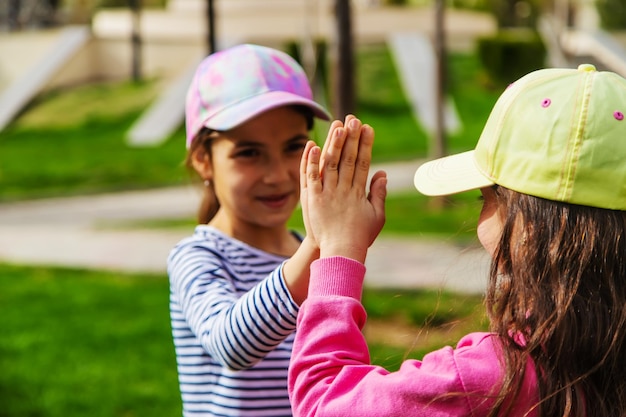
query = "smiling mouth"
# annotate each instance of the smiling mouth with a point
(274, 199)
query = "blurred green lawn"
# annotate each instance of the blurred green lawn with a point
(85, 343)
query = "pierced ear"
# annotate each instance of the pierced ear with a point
(201, 162)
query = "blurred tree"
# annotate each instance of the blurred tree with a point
(13, 14)
(211, 41)
(344, 89)
(516, 13)
(135, 7)
(118, 3)
(612, 13)
(439, 145)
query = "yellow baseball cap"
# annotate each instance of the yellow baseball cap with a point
(555, 133)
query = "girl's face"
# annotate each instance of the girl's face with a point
(254, 170)
(489, 223)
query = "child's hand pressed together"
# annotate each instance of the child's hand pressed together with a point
(339, 214)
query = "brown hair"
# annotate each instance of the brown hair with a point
(210, 204)
(558, 278)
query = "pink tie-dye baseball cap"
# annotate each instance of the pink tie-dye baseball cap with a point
(238, 83)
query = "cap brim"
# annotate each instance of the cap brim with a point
(241, 112)
(450, 175)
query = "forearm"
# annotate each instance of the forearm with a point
(329, 335)
(296, 270)
(244, 332)
(235, 330)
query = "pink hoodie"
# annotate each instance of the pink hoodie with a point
(331, 375)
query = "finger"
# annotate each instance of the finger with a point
(377, 197)
(364, 157)
(378, 190)
(332, 156)
(313, 179)
(303, 163)
(331, 131)
(334, 125)
(350, 151)
(303, 184)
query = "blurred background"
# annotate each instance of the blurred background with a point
(93, 192)
(149, 49)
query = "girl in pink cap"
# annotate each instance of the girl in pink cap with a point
(238, 281)
(550, 167)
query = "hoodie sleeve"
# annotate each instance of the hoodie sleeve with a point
(331, 374)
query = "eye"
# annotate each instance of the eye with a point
(247, 153)
(296, 146)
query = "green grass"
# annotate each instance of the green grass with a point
(381, 103)
(414, 214)
(98, 344)
(83, 343)
(473, 97)
(419, 307)
(428, 319)
(74, 143)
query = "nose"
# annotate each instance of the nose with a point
(277, 170)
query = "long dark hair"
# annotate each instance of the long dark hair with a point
(558, 279)
(210, 204)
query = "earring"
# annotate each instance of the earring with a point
(207, 183)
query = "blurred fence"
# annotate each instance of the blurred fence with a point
(27, 14)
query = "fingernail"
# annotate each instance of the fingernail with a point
(354, 123)
(339, 132)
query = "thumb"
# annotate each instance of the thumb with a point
(378, 193)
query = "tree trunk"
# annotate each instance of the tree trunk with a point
(211, 42)
(135, 7)
(439, 145)
(344, 89)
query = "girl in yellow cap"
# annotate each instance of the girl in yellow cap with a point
(551, 166)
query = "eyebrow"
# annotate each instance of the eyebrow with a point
(298, 137)
(251, 142)
(245, 142)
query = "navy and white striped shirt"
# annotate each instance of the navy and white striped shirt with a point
(233, 323)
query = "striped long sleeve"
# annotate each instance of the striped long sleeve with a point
(233, 322)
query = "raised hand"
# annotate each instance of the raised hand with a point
(342, 218)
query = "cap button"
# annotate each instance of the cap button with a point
(586, 67)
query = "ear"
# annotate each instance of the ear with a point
(201, 162)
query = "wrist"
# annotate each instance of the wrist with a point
(355, 252)
(310, 245)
